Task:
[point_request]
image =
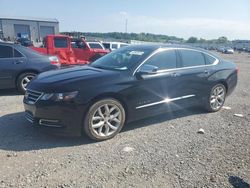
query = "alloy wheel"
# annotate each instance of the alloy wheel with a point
(217, 97)
(106, 120)
(26, 80)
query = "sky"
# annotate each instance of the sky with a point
(208, 19)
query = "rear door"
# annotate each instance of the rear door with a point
(11, 63)
(192, 75)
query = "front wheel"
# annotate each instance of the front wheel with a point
(104, 119)
(23, 80)
(216, 99)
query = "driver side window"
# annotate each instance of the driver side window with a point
(163, 60)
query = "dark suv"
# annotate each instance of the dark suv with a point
(18, 65)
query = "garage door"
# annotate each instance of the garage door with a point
(22, 30)
(46, 30)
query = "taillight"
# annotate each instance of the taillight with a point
(54, 60)
(237, 70)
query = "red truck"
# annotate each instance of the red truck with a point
(69, 52)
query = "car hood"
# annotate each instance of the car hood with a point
(76, 73)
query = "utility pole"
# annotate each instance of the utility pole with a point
(126, 26)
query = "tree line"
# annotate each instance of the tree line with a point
(147, 37)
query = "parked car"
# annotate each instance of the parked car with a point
(247, 49)
(126, 85)
(70, 51)
(24, 42)
(221, 49)
(114, 45)
(95, 45)
(18, 65)
(228, 50)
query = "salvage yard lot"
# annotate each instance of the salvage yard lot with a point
(161, 151)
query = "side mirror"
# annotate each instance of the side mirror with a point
(147, 70)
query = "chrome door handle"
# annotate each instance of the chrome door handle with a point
(206, 72)
(175, 74)
(18, 62)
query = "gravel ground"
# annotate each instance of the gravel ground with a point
(164, 151)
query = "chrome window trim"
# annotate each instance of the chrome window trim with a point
(165, 101)
(13, 47)
(181, 68)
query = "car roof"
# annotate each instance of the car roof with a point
(24, 50)
(6, 43)
(115, 42)
(154, 47)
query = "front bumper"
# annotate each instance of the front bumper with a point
(56, 117)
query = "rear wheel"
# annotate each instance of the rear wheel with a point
(216, 99)
(23, 80)
(104, 119)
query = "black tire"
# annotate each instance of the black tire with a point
(20, 81)
(209, 105)
(93, 111)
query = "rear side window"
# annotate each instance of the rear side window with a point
(95, 46)
(6, 51)
(114, 46)
(106, 45)
(192, 58)
(209, 59)
(17, 53)
(163, 60)
(60, 42)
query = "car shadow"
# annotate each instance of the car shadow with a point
(16, 134)
(163, 117)
(237, 182)
(9, 92)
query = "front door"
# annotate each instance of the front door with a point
(11, 62)
(82, 51)
(156, 92)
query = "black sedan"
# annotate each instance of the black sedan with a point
(18, 65)
(126, 85)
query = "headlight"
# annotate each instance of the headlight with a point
(68, 96)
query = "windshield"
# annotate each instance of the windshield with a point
(122, 59)
(95, 45)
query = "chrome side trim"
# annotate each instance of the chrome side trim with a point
(165, 101)
(45, 122)
(181, 68)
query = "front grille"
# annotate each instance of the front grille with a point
(29, 117)
(32, 96)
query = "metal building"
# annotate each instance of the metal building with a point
(33, 28)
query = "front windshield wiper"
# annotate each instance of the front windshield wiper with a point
(99, 67)
(110, 68)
